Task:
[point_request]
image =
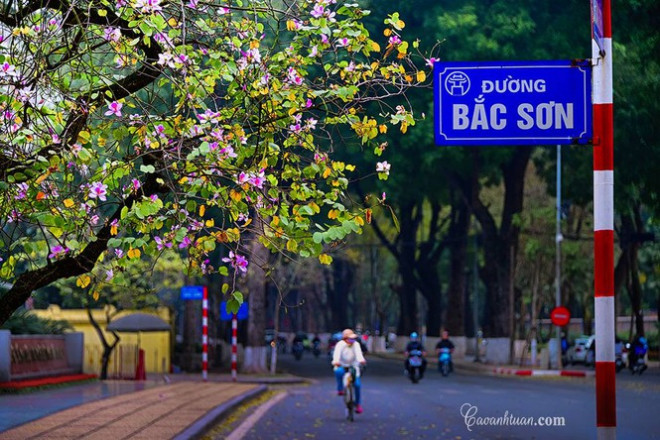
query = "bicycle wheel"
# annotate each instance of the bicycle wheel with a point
(350, 404)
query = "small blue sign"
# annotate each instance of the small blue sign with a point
(240, 315)
(192, 292)
(512, 102)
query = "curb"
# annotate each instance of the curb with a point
(564, 373)
(210, 418)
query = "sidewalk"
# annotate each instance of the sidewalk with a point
(181, 409)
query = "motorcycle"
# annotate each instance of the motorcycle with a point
(297, 350)
(636, 355)
(638, 366)
(316, 348)
(619, 364)
(444, 361)
(619, 356)
(415, 362)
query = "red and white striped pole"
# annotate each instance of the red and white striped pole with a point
(205, 334)
(603, 133)
(234, 344)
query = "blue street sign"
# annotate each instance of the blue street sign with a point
(512, 102)
(240, 315)
(192, 292)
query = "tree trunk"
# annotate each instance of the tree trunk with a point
(107, 348)
(256, 351)
(457, 276)
(501, 245)
(627, 268)
(339, 280)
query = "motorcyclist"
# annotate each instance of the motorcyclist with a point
(637, 350)
(445, 343)
(415, 344)
(347, 353)
(316, 345)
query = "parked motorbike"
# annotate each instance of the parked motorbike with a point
(297, 350)
(444, 361)
(619, 363)
(619, 351)
(415, 361)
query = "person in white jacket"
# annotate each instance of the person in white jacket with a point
(348, 352)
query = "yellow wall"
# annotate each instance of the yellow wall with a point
(156, 345)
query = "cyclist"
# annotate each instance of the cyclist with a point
(348, 354)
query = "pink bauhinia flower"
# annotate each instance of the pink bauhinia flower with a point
(114, 108)
(98, 190)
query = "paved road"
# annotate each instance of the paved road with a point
(395, 408)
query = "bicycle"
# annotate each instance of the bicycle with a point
(349, 392)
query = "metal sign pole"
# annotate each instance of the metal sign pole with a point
(558, 240)
(603, 165)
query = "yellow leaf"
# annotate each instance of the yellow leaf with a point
(102, 12)
(96, 295)
(235, 195)
(326, 173)
(202, 210)
(359, 221)
(325, 259)
(113, 230)
(375, 46)
(172, 22)
(350, 167)
(233, 234)
(333, 214)
(134, 253)
(315, 207)
(68, 203)
(276, 221)
(42, 177)
(210, 223)
(421, 76)
(291, 245)
(387, 32)
(404, 127)
(382, 128)
(183, 180)
(84, 136)
(408, 78)
(83, 281)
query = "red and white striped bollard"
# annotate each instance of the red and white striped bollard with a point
(234, 344)
(603, 164)
(205, 334)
